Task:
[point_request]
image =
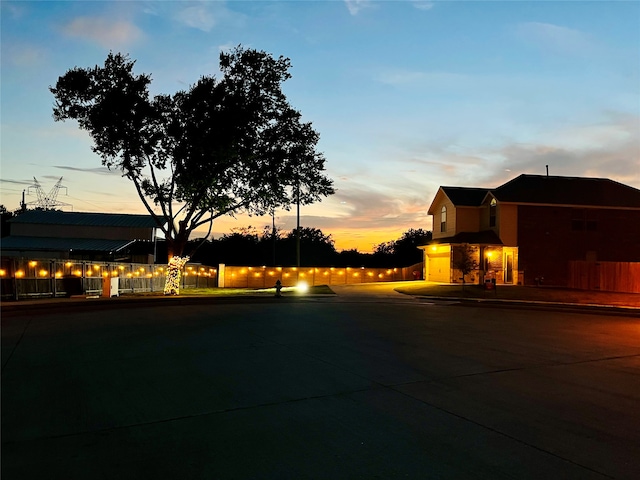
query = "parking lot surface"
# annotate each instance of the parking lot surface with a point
(344, 386)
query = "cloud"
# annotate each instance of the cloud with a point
(423, 5)
(13, 9)
(205, 16)
(24, 55)
(610, 149)
(197, 16)
(110, 34)
(96, 170)
(16, 182)
(555, 37)
(355, 6)
(400, 77)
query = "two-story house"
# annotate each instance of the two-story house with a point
(527, 230)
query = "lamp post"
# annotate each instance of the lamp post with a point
(297, 219)
(273, 233)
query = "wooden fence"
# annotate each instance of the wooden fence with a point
(266, 277)
(621, 277)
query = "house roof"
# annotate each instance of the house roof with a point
(50, 244)
(485, 237)
(578, 191)
(465, 196)
(54, 217)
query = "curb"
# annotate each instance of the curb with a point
(539, 305)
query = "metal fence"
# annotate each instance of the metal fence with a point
(27, 278)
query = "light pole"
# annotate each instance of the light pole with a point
(273, 233)
(297, 219)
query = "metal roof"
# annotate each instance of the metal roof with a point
(62, 244)
(54, 217)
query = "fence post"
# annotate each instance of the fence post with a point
(15, 278)
(52, 275)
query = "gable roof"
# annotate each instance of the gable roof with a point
(465, 196)
(54, 217)
(459, 196)
(578, 191)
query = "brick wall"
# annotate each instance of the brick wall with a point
(550, 237)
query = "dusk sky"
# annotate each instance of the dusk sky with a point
(406, 95)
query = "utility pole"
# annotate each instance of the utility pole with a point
(298, 221)
(273, 233)
(46, 201)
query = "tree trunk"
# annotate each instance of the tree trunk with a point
(175, 249)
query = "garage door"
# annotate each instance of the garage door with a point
(439, 270)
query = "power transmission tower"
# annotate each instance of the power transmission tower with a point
(47, 201)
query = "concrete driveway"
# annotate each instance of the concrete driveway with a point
(322, 387)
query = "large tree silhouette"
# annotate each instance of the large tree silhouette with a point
(226, 145)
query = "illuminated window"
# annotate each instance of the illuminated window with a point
(443, 219)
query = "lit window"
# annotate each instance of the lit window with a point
(443, 219)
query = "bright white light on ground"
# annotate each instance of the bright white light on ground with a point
(302, 287)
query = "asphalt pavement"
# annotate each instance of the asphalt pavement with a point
(361, 384)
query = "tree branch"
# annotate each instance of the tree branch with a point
(157, 188)
(222, 212)
(135, 181)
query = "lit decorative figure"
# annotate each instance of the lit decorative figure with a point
(174, 271)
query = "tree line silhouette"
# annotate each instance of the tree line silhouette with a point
(248, 246)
